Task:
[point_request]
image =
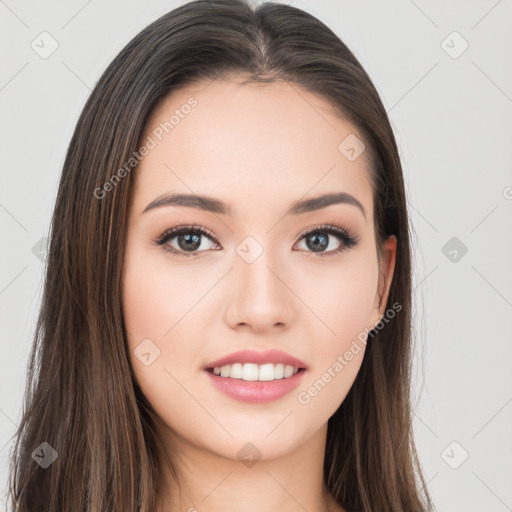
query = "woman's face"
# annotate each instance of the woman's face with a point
(254, 282)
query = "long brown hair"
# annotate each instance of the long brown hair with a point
(82, 404)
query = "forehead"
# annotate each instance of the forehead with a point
(249, 143)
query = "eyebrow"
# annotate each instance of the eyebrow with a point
(210, 204)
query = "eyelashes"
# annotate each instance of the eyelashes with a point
(194, 230)
(191, 235)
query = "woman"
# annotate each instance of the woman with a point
(226, 319)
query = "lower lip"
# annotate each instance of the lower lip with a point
(256, 391)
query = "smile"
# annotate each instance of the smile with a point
(254, 372)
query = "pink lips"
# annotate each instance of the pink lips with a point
(253, 356)
(256, 391)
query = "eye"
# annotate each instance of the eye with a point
(185, 240)
(189, 240)
(317, 239)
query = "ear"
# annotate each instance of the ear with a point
(386, 271)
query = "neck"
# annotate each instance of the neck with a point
(210, 482)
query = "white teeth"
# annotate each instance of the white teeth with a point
(266, 372)
(279, 371)
(250, 372)
(236, 371)
(288, 371)
(253, 372)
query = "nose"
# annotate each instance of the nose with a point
(260, 298)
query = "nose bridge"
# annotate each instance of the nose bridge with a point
(261, 297)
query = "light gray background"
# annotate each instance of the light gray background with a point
(452, 120)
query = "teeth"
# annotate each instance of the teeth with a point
(253, 372)
(278, 371)
(236, 371)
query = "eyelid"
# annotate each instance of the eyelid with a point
(176, 230)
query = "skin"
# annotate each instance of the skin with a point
(259, 148)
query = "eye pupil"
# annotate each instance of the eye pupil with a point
(193, 241)
(320, 242)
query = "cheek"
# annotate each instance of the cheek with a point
(154, 305)
(156, 326)
(341, 296)
(155, 299)
(350, 309)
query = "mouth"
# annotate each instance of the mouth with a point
(256, 377)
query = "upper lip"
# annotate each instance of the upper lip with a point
(256, 357)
